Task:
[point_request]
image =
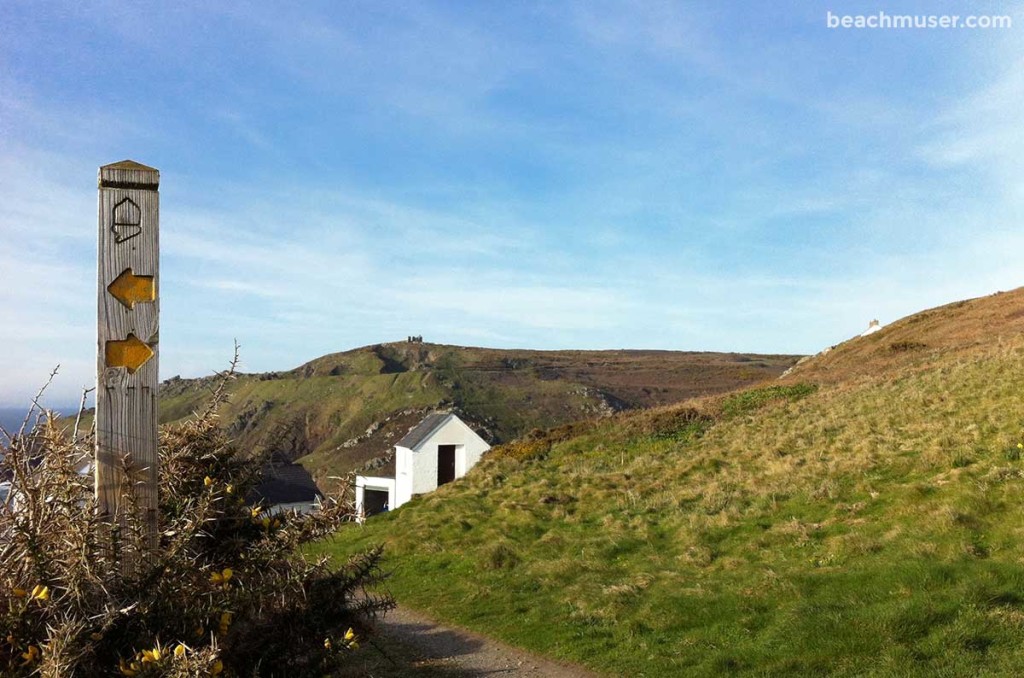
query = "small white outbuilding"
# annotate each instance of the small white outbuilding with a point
(436, 451)
(873, 327)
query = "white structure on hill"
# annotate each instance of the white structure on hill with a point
(873, 327)
(438, 450)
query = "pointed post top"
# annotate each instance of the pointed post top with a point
(129, 174)
(129, 164)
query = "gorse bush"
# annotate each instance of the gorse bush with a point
(537, 443)
(225, 591)
(747, 401)
(663, 422)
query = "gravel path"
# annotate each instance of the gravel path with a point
(415, 645)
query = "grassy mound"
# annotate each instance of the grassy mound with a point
(869, 525)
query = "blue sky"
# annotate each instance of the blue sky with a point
(688, 175)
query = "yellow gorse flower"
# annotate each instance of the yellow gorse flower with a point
(225, 622)
(217, 668)
(222, 577)
(151, 656)
(230, 488)
(31, 655)
(128, 669)
(207, 481)
(256, 510)
(350, 640)
(179, 651)
(41, 592)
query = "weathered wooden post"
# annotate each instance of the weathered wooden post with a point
(127, 338)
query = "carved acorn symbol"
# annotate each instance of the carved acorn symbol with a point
(127, 220)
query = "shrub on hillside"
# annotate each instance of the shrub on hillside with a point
(674, 421)
(747, 401)
(537, 443)
(665, 422)
(227, 591)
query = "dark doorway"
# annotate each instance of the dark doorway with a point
(445, 464)
(374, 501)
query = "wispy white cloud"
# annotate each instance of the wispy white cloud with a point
(983, 132)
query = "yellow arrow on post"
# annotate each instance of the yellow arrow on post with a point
(131, 289)
(131, 353)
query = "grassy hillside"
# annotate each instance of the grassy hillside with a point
(862, 517)
(344, 409)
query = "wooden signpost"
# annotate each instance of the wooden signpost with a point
(127, 339)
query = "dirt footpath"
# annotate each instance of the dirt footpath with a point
(411, 644)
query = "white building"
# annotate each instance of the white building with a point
(873, 327)
(438, 450)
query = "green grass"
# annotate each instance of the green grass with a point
(869, 528)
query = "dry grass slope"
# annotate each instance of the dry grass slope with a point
(920, 340)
